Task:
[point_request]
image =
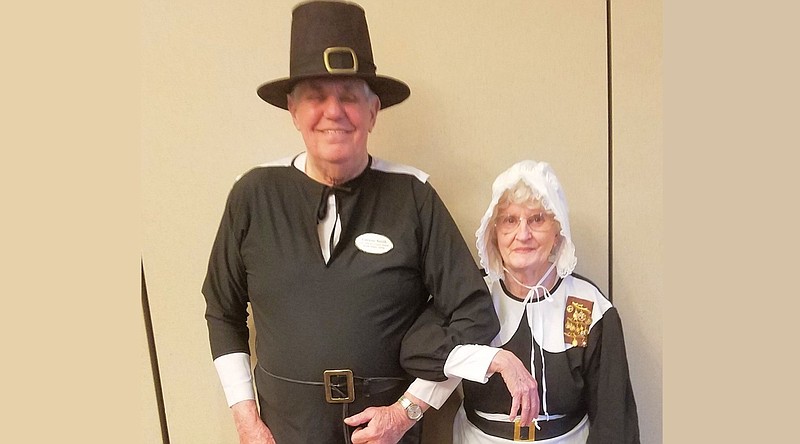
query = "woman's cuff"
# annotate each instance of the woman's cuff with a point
(470, 362)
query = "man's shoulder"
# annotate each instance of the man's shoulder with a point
(398, 168)
(262, 178)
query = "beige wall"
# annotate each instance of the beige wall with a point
(637, 199)
(492, 83)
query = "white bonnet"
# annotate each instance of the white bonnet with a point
(542, 180)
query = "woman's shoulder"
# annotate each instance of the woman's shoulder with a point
(580, 287)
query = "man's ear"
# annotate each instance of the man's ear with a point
(375, 106)
(290, 105)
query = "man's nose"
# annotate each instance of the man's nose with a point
(332, 106)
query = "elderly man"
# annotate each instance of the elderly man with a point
(337, 253)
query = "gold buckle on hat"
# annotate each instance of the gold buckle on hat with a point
(333, 380)
(518, 431)
(340, 49)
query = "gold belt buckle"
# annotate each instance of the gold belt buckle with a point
(518, 431)
(333, 379)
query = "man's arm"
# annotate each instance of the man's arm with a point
(237, 383)
(249, 426)
(460, 309)
(478, 363)
(225, 292)
(473, 362)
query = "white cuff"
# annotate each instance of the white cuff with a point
(470, 362)
(433, 393)
(236, 377)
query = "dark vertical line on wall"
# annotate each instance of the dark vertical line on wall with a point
(151, 345)
(610, 156)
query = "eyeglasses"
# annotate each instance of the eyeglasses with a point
(509, 223)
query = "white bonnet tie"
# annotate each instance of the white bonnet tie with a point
(528, 308)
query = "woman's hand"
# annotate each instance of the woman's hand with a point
(520, 383)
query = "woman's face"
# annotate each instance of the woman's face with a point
(526, 234)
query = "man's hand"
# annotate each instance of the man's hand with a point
(384, 425)
(249, 425)
(520, 383)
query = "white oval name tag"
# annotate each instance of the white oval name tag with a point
(374, 243)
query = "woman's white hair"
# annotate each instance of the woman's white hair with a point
(524, 183)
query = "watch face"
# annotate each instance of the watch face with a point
(414, 412)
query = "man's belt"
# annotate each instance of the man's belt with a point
(342, 387)
(516, 432)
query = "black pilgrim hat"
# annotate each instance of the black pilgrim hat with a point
(331, 38)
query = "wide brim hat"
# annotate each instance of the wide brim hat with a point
(331, 39)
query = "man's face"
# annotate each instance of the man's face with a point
(334, 116)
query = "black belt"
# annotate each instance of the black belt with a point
(513, 431)
(342, 387)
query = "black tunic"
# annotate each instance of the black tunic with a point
(591, 380)
(351, 312)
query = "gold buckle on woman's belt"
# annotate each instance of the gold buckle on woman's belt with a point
(518, 431)
(340, 381)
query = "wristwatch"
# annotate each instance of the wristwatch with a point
(413, 411)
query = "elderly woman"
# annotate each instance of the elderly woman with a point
(559, 324)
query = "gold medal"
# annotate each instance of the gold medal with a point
(577, 320)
